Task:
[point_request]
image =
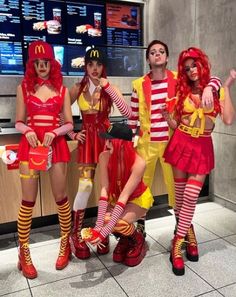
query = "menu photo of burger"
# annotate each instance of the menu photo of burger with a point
(88, 29)
(52, 26)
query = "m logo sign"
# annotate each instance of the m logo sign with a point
(94, 54)
(39, 49)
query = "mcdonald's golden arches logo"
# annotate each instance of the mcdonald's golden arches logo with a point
(94, 54)
(39, 49)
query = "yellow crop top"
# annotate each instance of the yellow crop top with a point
(84, 105)
(190, 109)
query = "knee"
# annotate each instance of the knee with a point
(85, 185)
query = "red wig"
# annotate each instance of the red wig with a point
(185, 85)
(55, 76)
(120, 164)
(105, 102)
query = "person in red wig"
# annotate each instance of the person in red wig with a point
(190, 150)
(41, 98)
(94, 95)
(124, 196)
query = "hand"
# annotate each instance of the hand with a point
(80, 136)
(231, 78)
(97, 242)
(32, 138)
(207, 97)
(48, 138)
(165, 112)
(102, 82)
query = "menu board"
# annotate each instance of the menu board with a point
(123, 24)
(124, 61)
(60, 53)
(10, 20)
(75, 59)
(44, 20)
(11, 61)
(86, 23)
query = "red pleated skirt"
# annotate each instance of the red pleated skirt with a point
(89, 151)
(189, 154)
(60, 150)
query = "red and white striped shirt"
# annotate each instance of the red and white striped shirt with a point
(159, 130)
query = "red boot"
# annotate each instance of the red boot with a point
(78, 246)
(137, 249)
(25, 263)
(176, 256)
(191, 245)
(64, 253)
(121, 248)
(104, 250)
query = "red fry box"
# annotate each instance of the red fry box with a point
(12, 160)
(40, 158)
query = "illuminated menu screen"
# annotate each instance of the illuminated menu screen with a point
(10, 20)
(75, 59)
(124, 62)
(123, 25)
(43, 20)
(11, 61)
(86, 23)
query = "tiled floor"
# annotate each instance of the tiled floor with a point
(213, 276)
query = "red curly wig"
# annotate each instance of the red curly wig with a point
(105, 102)
(30, 78)
(185, 85)
(120, 164)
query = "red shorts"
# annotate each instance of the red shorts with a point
(190, 154)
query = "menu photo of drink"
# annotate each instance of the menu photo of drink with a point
(85, 23)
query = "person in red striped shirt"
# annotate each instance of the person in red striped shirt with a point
(190, 149)
(150, 92)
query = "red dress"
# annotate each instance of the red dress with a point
(52, 107)
(89, 151)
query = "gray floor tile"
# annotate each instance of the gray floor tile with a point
(24, 293)
(207, 207)
(11, 279)
(229, 291)
(211, 294)
(96, 284)
(222, 221)
(154, 277)
(7, 243)
(44, 256)
(231, 239)
(217, 263)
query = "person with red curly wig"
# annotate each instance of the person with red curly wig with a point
(95, 96)
(190, 149)
(41, 98)
(124, 196)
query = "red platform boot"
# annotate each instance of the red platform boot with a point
(121, 248)
(64, 253)
(25, 263)
(103, 250)
(137, 249)
(191, 245)
(78, 246)
(176, 256)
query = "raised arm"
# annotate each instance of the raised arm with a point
(116, 97)
(133, 120)
(207, 95)
(227, 108)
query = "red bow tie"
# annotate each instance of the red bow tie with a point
(41, 82)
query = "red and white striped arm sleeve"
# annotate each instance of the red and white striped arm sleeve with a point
(71, 133)
(133, 120)
(123, 107)
(215, 82)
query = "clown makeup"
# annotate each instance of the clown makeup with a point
(42, 68)
(191, 69)
(157, 55)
